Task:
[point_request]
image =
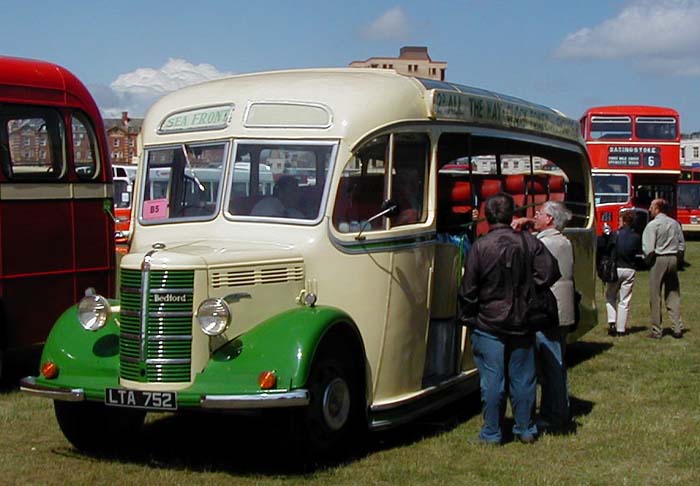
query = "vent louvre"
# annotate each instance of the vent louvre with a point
(257, 276)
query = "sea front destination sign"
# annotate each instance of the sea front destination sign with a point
(482, 109)
(209, 118)
(631, 156)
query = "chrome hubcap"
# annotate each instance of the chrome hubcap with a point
(336, 404)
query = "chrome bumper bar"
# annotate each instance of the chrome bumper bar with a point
(29, 385)
(297, 398)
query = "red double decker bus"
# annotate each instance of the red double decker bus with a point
(635, 158)
(56, 230)
(688, 202)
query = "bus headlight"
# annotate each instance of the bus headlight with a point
(93, 312)
(213, 316)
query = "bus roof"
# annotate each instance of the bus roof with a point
(333, 103)
(634, 110)
(41, 82)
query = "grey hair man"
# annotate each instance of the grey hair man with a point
(549, 222)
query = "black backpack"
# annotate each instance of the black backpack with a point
(607, 261)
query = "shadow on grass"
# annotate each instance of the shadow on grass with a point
(581, 351)
(259, 444)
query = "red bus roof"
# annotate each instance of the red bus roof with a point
(32, 81)
(632, 110)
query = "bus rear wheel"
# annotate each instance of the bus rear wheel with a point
(95, 428)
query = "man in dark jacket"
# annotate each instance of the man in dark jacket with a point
(495, 292)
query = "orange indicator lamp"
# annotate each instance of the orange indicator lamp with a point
(267, 380)
(49, 370)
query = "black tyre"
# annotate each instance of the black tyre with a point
(94, 427)
(331, 424)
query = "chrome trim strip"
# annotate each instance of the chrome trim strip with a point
(171, 291)
(130, 313)
(627, 170)
(168, 361)
(28, 385)
(641, 143)
(129, 359)
(296, 398)
(129, 336)
(464, 376)
(424, 401)
(146, 274)
(159, 338)
(170, 314)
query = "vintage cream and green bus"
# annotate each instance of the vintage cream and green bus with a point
(332, 294)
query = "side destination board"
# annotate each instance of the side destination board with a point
(474, 108)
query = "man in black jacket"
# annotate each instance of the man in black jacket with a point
(495, 292)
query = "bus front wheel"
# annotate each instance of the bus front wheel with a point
(329, 425)
(93, 427)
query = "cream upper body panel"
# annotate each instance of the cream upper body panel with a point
(386, 98)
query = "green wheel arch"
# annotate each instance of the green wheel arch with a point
(87, 359)
(285, 344)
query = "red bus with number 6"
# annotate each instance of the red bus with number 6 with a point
(635, 158)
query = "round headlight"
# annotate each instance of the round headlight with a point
(213, 316)
(93, 312)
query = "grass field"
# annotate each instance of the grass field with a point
(636, 403)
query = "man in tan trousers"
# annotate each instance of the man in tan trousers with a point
(663, 244)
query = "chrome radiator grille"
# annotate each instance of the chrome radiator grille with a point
(155, 342)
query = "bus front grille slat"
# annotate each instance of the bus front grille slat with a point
(168, 340)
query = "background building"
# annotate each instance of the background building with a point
(121, 138)
(690, 149)
(412, 60)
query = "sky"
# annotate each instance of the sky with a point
(567, 54)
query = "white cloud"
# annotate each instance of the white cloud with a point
(393, 25)
(136, 91)
(662, 32)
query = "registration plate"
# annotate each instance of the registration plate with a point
(149, 400)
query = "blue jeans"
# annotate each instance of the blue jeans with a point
(554, 403)
(502, 359)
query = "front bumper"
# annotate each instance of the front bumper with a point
(282, 399)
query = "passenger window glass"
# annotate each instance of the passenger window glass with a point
(611, 188)
(361, 189)
(279, 180)
(530, 172)
(408, 187)
(32, 141)
(84, 148)
(611, 127)
(183, 182)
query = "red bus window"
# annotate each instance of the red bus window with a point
(611, 127)
(34, 143)
(84, 153)
(656, 128)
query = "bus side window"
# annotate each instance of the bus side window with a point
(361, 189)
(411, 152)
(35, 148)
(84, 153)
